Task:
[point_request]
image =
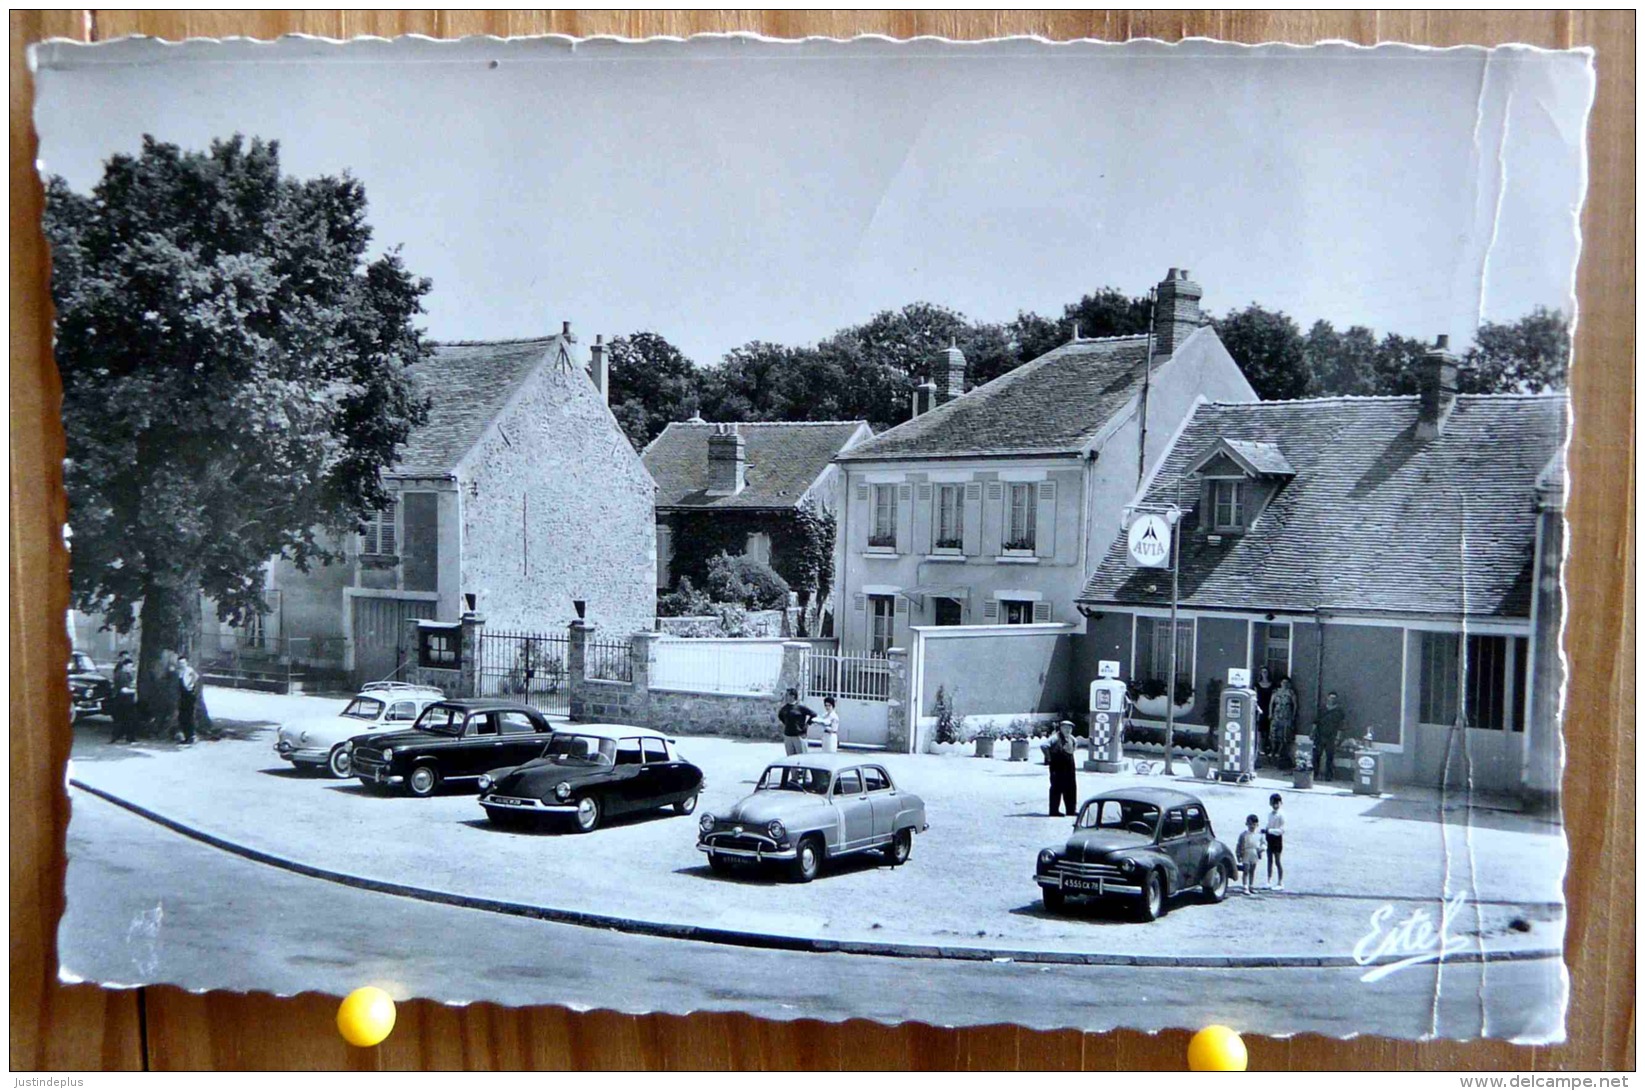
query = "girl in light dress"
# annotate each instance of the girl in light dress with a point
(829, 721)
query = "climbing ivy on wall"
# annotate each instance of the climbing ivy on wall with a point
(802, 544)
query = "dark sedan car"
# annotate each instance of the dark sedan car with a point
(1144, 843)
(454, 740)
(89, 688)
(591, 771)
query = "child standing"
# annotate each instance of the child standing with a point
(1249, 851)
(1274, 834)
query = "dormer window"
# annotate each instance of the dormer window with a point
(1227, 505)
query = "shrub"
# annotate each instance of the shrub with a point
(750, 583)
(948, 724)
(684, 601)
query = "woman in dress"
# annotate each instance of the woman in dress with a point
(829, 721)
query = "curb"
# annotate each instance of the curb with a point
(766, 940)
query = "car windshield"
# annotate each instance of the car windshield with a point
(80, 663)
(1121, 816)
(794, 778)
(442, 720)
(568, 749)
(363, 708)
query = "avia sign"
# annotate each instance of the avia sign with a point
(1149, 541)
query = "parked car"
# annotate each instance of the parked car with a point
(452, 740)
(589, 772)
(89, 688)
(812, 808)
(1148, 844)
(320, 742)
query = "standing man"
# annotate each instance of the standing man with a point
(1327, 730)
(123, 702)
(795, 718)
(1059, 756)
(188, 695)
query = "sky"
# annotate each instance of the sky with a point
(722, 191)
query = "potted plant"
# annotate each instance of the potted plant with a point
(1200, 763)
(1018, 735)
(985, 742)
(947, 719)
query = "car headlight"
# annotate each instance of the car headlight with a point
(1128, 866)
(705, 823)
(349, 746)
(303, 737)
(485, 782)
(562, 790)
(1047, 858)
(388, 752)
(775, 829)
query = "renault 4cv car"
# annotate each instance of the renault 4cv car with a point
(89, 688)
(320, 742)
(812, 808)
(1147, 844)
(588, 772)
(452, 740)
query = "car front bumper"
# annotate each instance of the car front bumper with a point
(747, 854)
(306, 755)
(533, 806)
(375, 773)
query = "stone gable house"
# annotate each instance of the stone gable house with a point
(989, 506)
(736, 488)
(520, 499)
(1402, 551)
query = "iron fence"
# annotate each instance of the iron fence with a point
(609, 661)
(847, 677)
(529, 667)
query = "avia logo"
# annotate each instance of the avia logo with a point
(1149, 535)
(1149, 541)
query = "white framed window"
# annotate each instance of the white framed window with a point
(379, 539)
(1016, 612)
(758, 547)
(1228, 505)
(950, 528)
(1493, 682)
(1152, 658)
(883, 531)
(1276, 650)
(1019, 530)
(882, 615)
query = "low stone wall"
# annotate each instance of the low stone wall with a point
(728, 714)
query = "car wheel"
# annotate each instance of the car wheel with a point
(901, 847)
(807, 860)
(1055, 900)
(422, 781)
(1216, 883)
(587, 818)
(1152, 902)
(718, 864)
(686, 805)
(341, 763)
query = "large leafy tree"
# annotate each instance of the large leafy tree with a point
(1531, 355)
(1340, 362)
(1268, 347)
(652, 383)
(234, 379)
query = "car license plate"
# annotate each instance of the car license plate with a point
(1086, 886)
(508, 801)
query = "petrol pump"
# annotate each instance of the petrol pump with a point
(1107, 753)
(1237, 747)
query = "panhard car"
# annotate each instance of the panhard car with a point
(1147, 844)
(320, 742)
(89, 688)
(453, 740)
(589, 772)
(811, 808)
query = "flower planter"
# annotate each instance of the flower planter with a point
(1201, 766)
(1019, 749)
(985, 748)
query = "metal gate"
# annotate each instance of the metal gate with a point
(527, 667)
(861, 688)
(379, 635)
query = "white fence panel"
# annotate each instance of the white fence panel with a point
(746, 666)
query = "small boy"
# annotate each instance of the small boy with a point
(1274, 834)
(1249, 851)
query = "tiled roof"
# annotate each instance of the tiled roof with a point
(1374, 520)
(468, 383)
(1264, 458)
(784, 460)
(1054, 404)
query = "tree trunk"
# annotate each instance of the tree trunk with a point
(166, 631)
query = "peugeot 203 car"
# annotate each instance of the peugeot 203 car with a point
(811, 808)
(452, 740)
(588, 772)
(320, 742)
(89, 688)
(1147, 844)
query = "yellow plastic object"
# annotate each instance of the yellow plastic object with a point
(366, 1016)
(1216, 1049)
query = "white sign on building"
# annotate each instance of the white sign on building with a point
(1149, 541)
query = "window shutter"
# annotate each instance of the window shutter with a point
(902, 605)
(971, 519)
(925, 520)
(991, 610)
(905, 518)
(862, 492)
(1045, 523)
(1042, 611)
(390, 544)
(925, 492)
(859, 603)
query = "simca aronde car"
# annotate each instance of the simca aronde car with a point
(320, 743)
(89, 688)
(1144, 843)
(588, 772)
(453, 740)
(811, 808)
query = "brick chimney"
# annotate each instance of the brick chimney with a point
(598, 369)
(1438, 373)
(727, 461)
(1176, 311)
(925, 396)
(950, 375)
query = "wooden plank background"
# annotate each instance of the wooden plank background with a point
(81, 1027)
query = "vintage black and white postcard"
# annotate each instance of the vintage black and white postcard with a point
(1012, 532)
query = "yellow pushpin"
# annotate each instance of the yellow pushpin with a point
(1216, 1049)
(366, 1016)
